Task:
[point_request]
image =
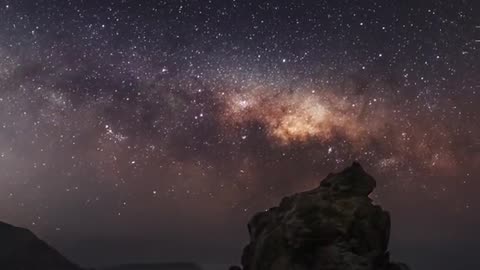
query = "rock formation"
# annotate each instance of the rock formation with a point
(333, 227)
(20, 249)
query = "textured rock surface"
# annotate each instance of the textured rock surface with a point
(333, 227)
(157, 266)
(20, 249)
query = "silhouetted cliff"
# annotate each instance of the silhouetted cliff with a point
(20, 249)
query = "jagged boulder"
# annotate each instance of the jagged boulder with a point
(333, 227)
(20, 249)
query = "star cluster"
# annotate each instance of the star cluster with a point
(157, 115)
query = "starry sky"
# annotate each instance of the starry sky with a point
(138, 131)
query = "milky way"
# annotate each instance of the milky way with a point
(163, 126)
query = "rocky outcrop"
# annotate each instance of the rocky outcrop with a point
(333, 227)
(20, 249)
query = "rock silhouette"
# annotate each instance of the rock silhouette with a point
(332, 227)
(20, 249)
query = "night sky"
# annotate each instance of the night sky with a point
(138, 131)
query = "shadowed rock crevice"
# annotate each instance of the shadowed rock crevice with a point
(157, 266)
(333, 227)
